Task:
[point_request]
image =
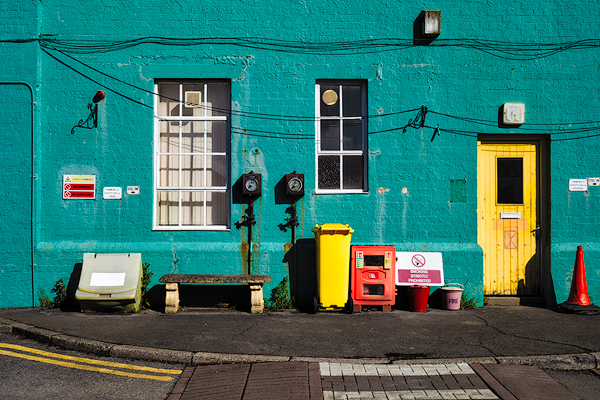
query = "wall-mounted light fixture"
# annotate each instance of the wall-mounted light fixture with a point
(431, 23)
(91, 121)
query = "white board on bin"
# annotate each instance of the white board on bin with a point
(420, 268)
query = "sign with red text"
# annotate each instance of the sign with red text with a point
(79, 187)
(423, 269)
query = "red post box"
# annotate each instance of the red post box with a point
(373, 279)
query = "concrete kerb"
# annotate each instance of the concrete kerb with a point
(562, 362)
(152, 354)
(201, 358)
(82, 345)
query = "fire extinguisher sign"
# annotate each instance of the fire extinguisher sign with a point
(424, 269)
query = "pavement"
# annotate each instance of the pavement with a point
(486, 353)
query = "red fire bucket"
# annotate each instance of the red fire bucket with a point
(418, 297)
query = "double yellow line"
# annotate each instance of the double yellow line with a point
(105, 366)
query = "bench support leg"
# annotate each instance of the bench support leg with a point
(257, 303)
(172, 298)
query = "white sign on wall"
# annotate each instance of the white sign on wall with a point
(112, 193)
(578, 185)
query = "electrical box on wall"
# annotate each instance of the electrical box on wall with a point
(514, 113)
(252, 184)
(294, 184)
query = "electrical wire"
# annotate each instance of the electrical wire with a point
(275, 117)
(507, 50)
(96, 82)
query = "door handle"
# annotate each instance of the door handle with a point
(537, 232)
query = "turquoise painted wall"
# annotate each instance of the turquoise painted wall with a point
(273, 53)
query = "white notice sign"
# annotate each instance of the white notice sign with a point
(107, 279)
(578, 185)
(112, 193)
(593, 181)
(423, 269)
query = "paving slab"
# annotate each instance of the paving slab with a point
(259, 381)
(528, 382)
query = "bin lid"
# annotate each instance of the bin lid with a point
(332, 229)
(110, 273)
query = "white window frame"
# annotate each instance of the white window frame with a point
(180, 189)
(363, 152)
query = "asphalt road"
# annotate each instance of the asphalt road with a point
(27, 379)
(584, 384)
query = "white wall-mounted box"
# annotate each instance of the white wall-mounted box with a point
(514, 113)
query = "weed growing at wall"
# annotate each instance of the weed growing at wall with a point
(60, 299)
(280, 296)
(146, 276)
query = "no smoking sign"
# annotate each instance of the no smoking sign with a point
(418, 260)
(423, 269)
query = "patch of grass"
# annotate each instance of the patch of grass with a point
(45, 300)
(468, 303)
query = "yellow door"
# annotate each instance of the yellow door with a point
(507, 218)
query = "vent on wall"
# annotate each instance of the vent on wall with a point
(193, 99)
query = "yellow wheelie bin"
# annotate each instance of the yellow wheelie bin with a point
(333, 267)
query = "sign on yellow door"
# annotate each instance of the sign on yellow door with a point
(507, 218)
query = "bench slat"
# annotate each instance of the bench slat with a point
(210, 278)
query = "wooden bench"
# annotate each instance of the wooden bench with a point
(172, 281)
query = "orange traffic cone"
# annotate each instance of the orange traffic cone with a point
(579, 290)
(579, 300)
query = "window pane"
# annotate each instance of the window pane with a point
(169, 137)
(192, 170)
(192, 208)
(216, 136)
(218, 99)
(193, 96)
(168, 208)
(332, 110)
(169, 171)
(352, 134)
(329, 172)
(330, 134)
(352, 101)
(510, 180)
(192, 154)
(192, 137)
(353, 172)
(216, 174)
(168, 100)
(217, 212)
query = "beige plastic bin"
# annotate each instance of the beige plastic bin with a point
(110, 282)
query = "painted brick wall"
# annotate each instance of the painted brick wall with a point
(409, 201)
